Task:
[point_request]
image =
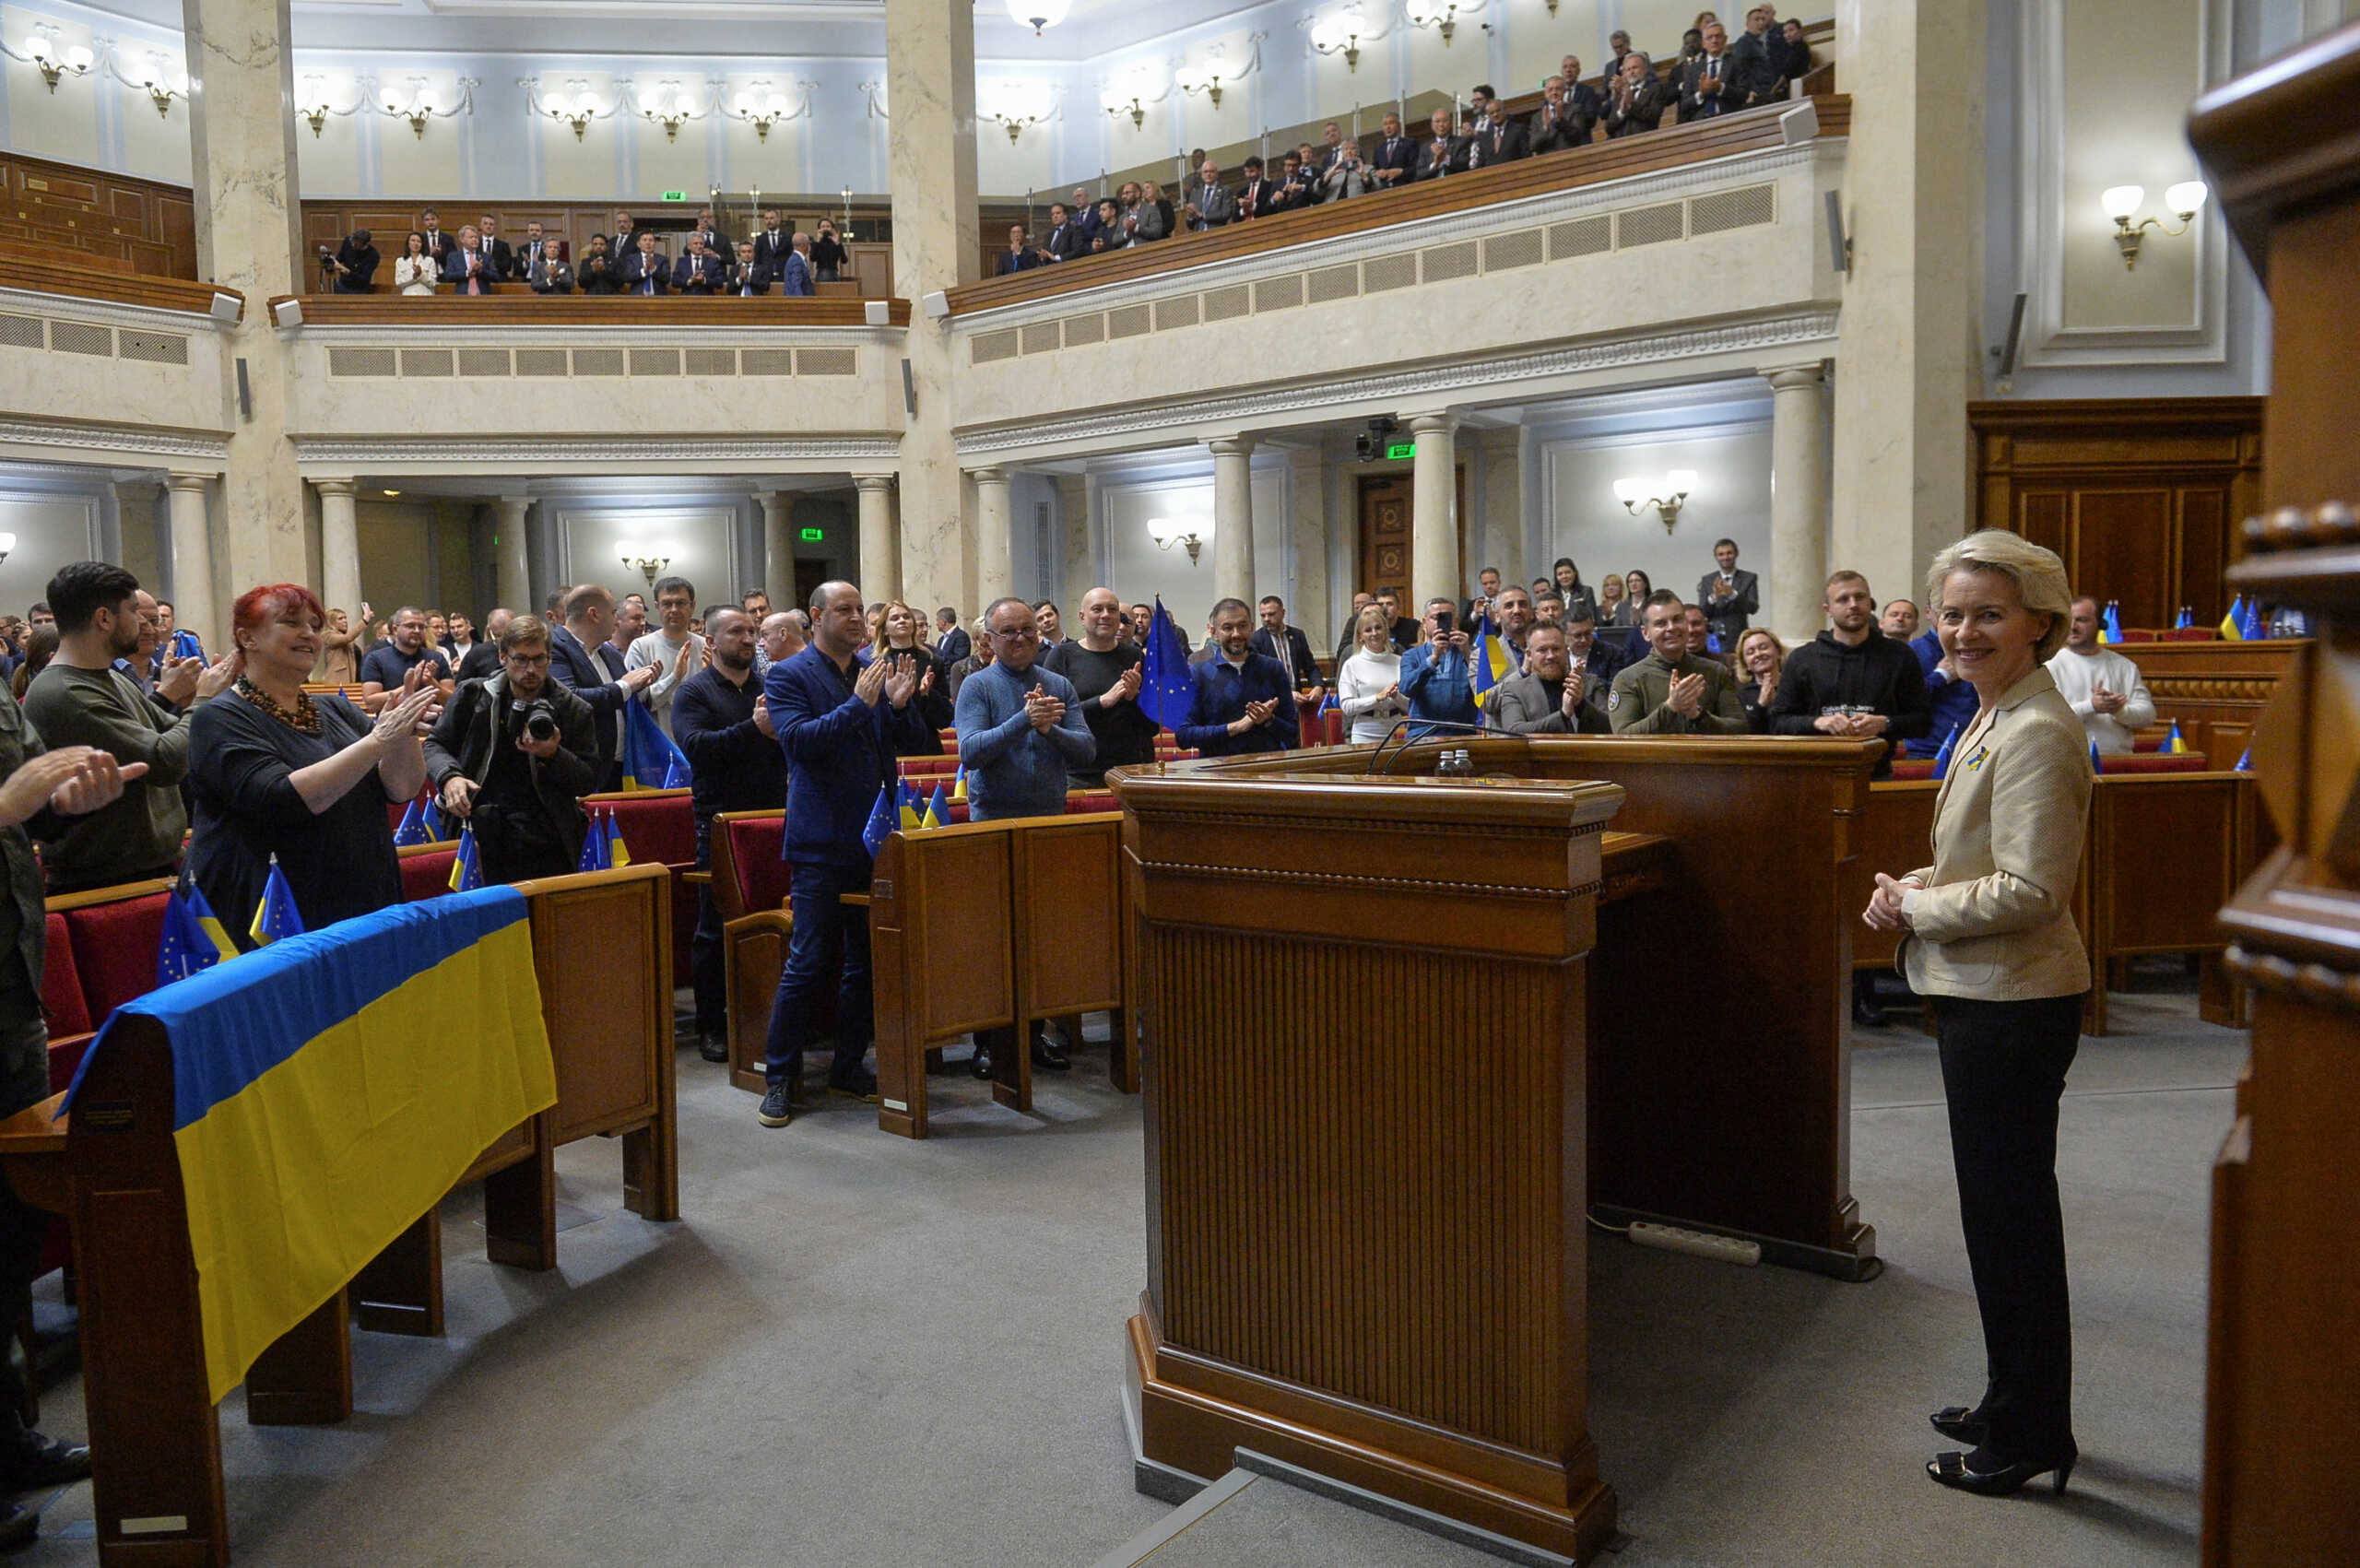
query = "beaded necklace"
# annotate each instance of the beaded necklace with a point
(304, 720)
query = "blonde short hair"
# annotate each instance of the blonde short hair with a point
(1371, 615)
(2038, 576)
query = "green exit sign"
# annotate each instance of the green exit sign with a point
(814, 535)
(676, 195)
(1395, 452)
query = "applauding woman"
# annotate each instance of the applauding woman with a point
(1993, 948)
(1759, 658)
(1368, 688)
(275, 770)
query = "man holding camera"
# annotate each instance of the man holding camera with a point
(352, 265)
(512, 755)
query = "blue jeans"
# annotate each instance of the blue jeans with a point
(821, 922)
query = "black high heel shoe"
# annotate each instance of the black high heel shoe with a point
(1960, 1425)
(1953, 1470)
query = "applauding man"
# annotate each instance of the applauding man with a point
(1673, 690)
(1244, 700)
(1106, 669)
(1851, 681)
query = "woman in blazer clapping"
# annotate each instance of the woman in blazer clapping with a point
(1992, 946)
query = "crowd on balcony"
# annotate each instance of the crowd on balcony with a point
(475, 259)
(1713, 74)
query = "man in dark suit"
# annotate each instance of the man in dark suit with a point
(698, 271)
(1759, 63)
(1085, 216)
(625, 234)
(1502, 141)
(503, 259)
(1395, 162)
(468, 269)
(1214, 202)
(355, 262)
(537, 246)
(440, 241)
(1712, 84)
(644, 270)
(748, 277)
(601, 269)
(794, 279)
(1554, 126)
(1585, 105)
(1640, 97)
(1064, 240)
(952, 642)
(1243, 702)
(772, 244)
(580, 658)
(1446, 153)
(1405, 630)
(1018, 256)
(1255, 195)
(716, 241)
(1729, 598)
(1287, 644)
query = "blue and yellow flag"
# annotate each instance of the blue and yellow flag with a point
(1491, 663)
(437, 830)
(618, 853)
(2174, 745)
(1943, 757)
(2186, 618)
(907, 804)
(2097, 762)
(276, 915)
(194, 938)
(413, 828)
(2110, 626)
(329, 1089)
(938, 811)
(881, 821)
(1167, 688)
(650, 759)
(2233, 625)
(959, 784)
(2245, 759)
(467, 866)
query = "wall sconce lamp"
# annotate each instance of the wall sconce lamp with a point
(1192, 81)
(7, 543)
(577, 110)
(1637, 495)
(1119, 104)
(1014, 124)
(2185, 199)
(1338, 35)
(54, 62)
(1188, 532)
(1440, 14)
(646, 565)
(762, 112)
(682, 110)
(160, 92)
(315, 112)
(418, 111)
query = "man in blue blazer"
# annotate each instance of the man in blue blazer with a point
(840, 725)
(576, 661)
(795, 276)
(1064, 240)
(644, 270)
(1243, 700)
(469, 268)
(698, 271)
(1395, 159)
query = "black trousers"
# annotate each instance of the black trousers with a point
(24, 1081)
(2004, 1071)
(708, 969)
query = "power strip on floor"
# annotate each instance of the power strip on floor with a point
(1699, 1244)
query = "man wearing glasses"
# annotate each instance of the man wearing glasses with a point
(512, 755)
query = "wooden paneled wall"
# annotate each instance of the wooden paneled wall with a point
(2140, 495)
(108, 222)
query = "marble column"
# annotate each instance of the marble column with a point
(241, 103)
(1078, 569)
(339, 545)
(1232, 517)
(778, 546)
(1798, 571)
(512, 578)
(1909, 336)
(193, 600)
(135, 542)
(994, 540)
(1500, 454)
(1433, 516)
(930, 91)
(1308, 602)
(880, 553)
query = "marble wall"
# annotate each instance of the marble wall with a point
(1583, 519)
(1135, 567)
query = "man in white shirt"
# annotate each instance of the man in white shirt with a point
(2103, 686)
(674, 651)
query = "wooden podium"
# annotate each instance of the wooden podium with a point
(1366, 1146)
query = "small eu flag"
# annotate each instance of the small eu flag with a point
(467, 866)
(2245, 759)
(2097, 763)
(2186, 618)
(193, 937)
(413, 826)
(594, 847)
(1943, 757)
(276, 915)
(1167, 690)
(2253, 627)
(881, 821)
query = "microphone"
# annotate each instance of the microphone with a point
(1426, 727)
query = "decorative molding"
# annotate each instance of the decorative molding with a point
(143, 441)
(138, 318)
(344, 450)
(1244, 409)
(2311, 981)
(530, 335)
(1425, 888)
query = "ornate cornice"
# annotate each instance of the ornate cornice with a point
(1489, 371)
(531, 335)
(138, 318)
(142, 440)
(361, 452)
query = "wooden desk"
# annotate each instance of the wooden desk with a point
(2216, 689)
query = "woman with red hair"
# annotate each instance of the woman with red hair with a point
(276, 771)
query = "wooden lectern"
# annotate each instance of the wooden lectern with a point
(1341, 1069)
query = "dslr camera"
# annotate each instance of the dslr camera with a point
(536, 720)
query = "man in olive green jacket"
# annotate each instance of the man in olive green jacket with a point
(1672, 691)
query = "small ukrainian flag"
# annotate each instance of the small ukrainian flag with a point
(959, 784)
(275, 917)
(467, 866)
(938, 811)
(618, 853)
(2174, 744)
(1492, 665)
(2097, 763)
(1943, 757)
(909, 805)
(2233, 625)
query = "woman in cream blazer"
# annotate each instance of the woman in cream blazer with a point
(1993, 946)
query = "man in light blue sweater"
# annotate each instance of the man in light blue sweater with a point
(1020, 728)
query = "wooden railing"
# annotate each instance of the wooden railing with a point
(1754, 130)
(116, 288)
(519, 307)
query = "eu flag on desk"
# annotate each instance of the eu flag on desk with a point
(413, 825)
(276, 915)
(2186, 618)
(2245, 759)
(1943, 757)
(594, 847)
(467, 866)
(1166, 689)
(617, 851)
(2253, 627)
(2233, 625)
(194, 938)
(2097, 762)
(881, 821)
(650, 759)
(2174, 744)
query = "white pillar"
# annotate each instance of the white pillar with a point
(512, 580)
(1434, 517)
(1234, 517)
(778, 546)
(192, 601)
(880, 552)
(1308, 601)
(994, 538)
(1798, 570)
(339, 546)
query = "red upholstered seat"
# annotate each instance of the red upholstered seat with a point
(661, 824)
(1080, 800)
(763, 879)
(2133, 634)
(426, 871)
(1913, 768)
(64, 1006)
(115, 949)
(2189, 634)
(2157, 763)
(930, 767)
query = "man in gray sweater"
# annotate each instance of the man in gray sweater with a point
(1020, 728)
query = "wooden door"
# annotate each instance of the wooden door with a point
(1383, 563)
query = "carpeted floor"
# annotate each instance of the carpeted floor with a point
(861, 1351)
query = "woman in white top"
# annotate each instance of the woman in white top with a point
(415, 271)
(1368, 688)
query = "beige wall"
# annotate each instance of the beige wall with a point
(2133, 67)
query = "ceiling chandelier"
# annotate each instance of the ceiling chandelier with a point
(1038, 15)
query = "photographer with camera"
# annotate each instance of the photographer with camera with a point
(514, 755)
(348, 268)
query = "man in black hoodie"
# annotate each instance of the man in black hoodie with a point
(1849, 680)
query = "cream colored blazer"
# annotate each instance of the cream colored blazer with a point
(1995, 918)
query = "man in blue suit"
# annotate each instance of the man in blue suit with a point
(795, 275)
(644, 270)
(839, 723)
(576, 660)
(698, 271)
(469, 268)
(1395, 162)
(1244, 700)
(1064, 240)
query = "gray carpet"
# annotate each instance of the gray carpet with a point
(861, 1351)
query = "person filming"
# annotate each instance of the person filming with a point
(512, 755)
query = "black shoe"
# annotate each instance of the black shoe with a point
(859, 1083)
(712, 1047)
(778, 1107)
(29, 1462)
(1053, 1057)
(1996, 1477)
(981, 1064)
(1960, 1425)
(1867, 1013)
(19, 1525)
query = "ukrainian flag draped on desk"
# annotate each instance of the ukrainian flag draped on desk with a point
(330, 1087)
